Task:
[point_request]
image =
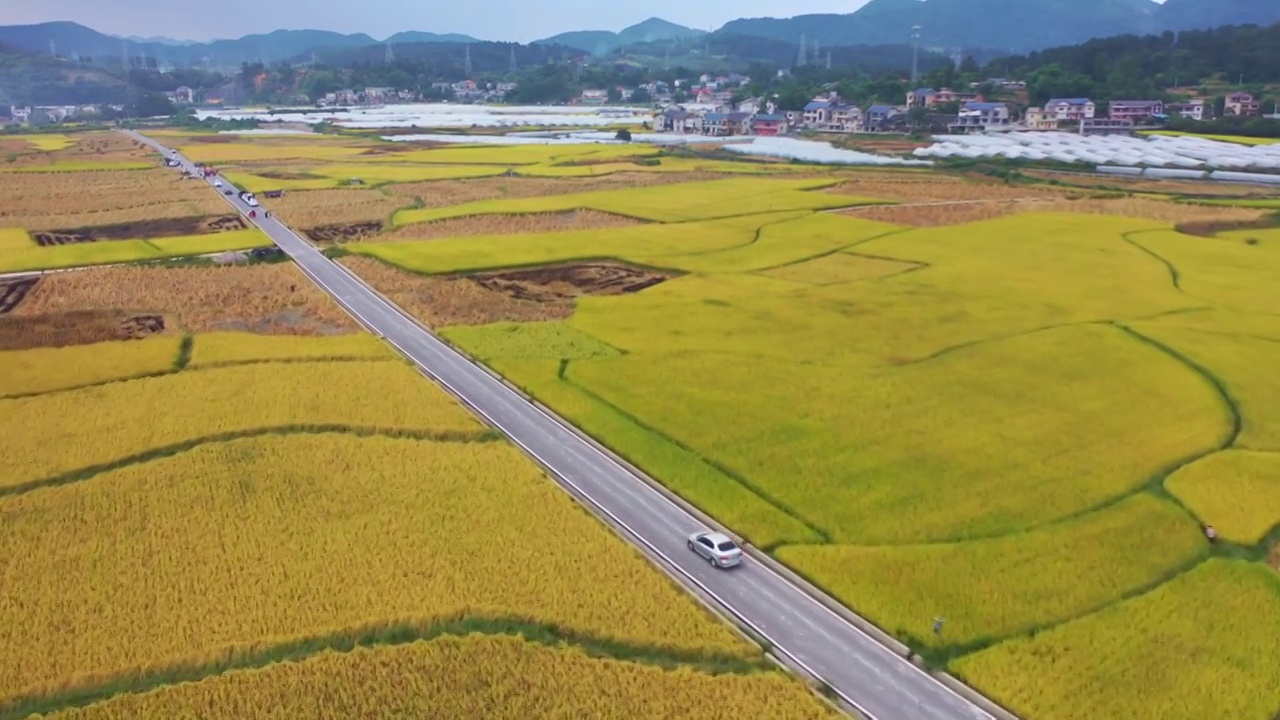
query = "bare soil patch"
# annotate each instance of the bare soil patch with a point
(443, 193)
(13, 292)
(1274, 557)
(275, 299)
(1209, 228)
(511, 225)
(552, 283)
(332, 234)
(528, 295)
(143, 230)
(959, 212)
(79, 327)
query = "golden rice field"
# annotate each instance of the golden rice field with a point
(216, 499)
(1015, 420)
(458, 678)
(1019, 424)
(1216, 654)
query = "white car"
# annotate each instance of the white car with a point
(718, 548)
(217, 183)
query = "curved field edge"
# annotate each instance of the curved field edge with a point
(100, 687)
(1220, 655)
(168, 354)
(684, 472)
(992, 589)
(88, 473)
(1236, 491)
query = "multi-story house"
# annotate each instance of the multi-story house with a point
(1037, 119)
(930, 98)
(1242, 104)
(1070, 108)
(726, 124)
(769, 124)
(981, 117)
(677, 120)
(594, 97)
(1192, 110)
(879, 118)
(1135, 110)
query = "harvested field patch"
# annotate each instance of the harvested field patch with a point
(321, 208)
(456, 192)
(961, 212)
(103, 148)
(914, 187)
(143, 230)
(536, 294)
(511, 225)
(48, 201)
(78, 327)
(273, 299)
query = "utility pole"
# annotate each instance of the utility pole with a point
(915, 53)
(467, 62)
(802, 59)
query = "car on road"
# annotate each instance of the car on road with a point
(717, 548)
(217, 183)
(228, 191)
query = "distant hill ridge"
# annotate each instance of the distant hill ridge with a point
(947, 25)
(1019, 26)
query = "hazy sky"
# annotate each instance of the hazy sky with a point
(518, 20)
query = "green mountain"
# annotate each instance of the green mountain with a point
(1019, 26)
(1197, 14)
(601, 42)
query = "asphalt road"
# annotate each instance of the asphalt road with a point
(868, 675)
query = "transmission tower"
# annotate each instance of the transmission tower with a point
(666, 60)
(828, 59)
(53, 48)
(124, 54)
(467, 61)
(802, 58)
(512, 64)
(816, 51)
(915, 53)
(391, 54)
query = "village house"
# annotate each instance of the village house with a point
(726, 124)
(1242, 104)
(594, 97)
(930, 98)
(981, 117)
(879, 118)
(1192, 110)
(1136, 110)
(1037, 119)
(769, 125)
(677, 120)
(1073, 109)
